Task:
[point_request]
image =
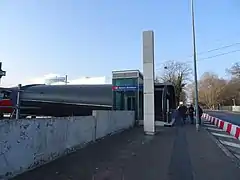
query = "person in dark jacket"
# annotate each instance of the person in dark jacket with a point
(182, 112)
(200, 113)
(191, 113)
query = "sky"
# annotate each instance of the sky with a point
(94, 37)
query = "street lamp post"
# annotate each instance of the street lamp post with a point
(66, 80)
(234, 102)
(2, 73)
(195, 65)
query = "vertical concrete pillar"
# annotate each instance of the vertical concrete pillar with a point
(148, 79)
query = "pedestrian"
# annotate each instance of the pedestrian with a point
(182, 113)
(191, 113)
(200, 113)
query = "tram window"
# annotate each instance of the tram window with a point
(5, 95)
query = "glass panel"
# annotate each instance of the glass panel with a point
(4, 95)
(1, 95)
(140, 105)
(129, 99)
(125, 82)
(129, 103)
(134, 104)
(119, 101)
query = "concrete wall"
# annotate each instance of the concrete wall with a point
(28, 143)
(230, 108)
(236, 108)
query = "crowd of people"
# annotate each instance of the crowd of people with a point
(185, 113)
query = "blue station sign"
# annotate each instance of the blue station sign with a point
(127, 88)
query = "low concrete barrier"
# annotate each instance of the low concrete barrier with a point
(29, 143)
(236, 108)
(108, 122)
(230, 108)
(230, 128)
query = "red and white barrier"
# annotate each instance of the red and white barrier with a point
(230, 128)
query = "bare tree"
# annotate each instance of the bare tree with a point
(183, 96)
(178, 73)
(211, 90)
(233, 88)
(174, 71)
(232, 91)
(214, 91)
(235, 70)
(190, 92)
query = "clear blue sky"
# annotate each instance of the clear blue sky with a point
(94, 37)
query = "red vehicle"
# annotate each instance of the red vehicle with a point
(6, 105)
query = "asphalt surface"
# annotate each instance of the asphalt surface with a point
(227, 140)
(232, 117)
(176, 153)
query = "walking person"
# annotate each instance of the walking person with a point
(191, 113)
(182, 113)
(200, 113)
(176, 116)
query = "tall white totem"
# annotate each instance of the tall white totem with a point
(148, 76)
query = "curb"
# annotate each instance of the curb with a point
(230, 128)
(160, 123)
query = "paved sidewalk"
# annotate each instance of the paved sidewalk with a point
(177, 153)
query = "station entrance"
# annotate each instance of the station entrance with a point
(128, 91)
(128, 95)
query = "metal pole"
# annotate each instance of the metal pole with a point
(195, 66)
(66, 79)
(138, 92)
(18, 102)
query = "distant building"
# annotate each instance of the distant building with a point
(89, 80)
(56, 79)
(60, 80)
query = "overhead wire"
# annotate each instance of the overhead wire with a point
(216, 49)
(222, 54)
(211, 50)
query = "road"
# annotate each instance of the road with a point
(228, 141)
(231, 143)
(232, 117)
